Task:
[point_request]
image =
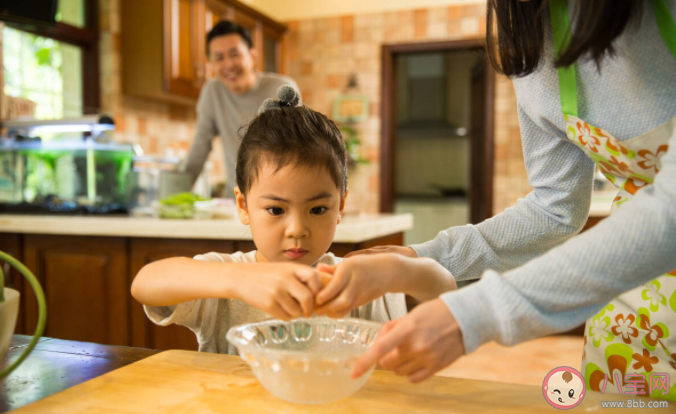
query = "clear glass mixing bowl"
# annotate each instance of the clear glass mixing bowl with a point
(306, 360)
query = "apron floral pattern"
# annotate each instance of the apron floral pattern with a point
(631, 334)
(634, 336)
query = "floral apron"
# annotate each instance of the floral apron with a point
(632, 340)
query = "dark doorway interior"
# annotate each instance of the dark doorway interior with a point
(437, 134)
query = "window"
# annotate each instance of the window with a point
(56, 67)
(45, 71)
(71, 12)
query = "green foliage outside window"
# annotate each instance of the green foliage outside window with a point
(44, 71)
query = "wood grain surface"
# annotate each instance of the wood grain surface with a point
(178, 381)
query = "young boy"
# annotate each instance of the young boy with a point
(292, 186)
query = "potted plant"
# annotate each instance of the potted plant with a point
(9, 311)
(352, 146)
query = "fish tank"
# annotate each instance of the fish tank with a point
(73, 176)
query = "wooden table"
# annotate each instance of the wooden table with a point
(55, 365)
(186, 382)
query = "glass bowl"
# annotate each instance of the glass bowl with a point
(306, 360)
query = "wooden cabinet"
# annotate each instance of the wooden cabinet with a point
(146, 334)
(85, 285)
(10, 243)
(163, 44)
(214, 12)
(182, 66)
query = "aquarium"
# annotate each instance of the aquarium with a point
(67, 177)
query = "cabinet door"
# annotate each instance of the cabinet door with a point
(85, 284)
(11, 244)
(181, 66)
(146, 334)
(272, 51)
(214, 12)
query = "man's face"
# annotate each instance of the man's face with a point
(233, 62)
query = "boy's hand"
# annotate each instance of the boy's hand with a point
(283, 290)
(355, 282)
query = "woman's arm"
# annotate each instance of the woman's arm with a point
(570, 283)
(561, 176)
(552, 293)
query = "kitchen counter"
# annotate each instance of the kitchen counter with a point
(352, 229)
(87, 265)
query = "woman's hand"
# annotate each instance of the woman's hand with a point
(417, 345)
(357, 281)
(283, 290)
(362, 279)
(402, 250)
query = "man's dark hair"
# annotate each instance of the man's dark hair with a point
(292, 135)
(516, 31)
(226, 27)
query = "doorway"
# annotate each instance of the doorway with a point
(437, 135)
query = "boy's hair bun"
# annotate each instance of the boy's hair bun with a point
(285, 132)
(287, 95)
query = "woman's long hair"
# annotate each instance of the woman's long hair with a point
(515, 31)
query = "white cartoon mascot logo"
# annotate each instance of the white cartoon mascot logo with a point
(563, 388)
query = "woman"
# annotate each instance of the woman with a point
(603, 93)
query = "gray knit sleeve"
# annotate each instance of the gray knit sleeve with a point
(561, 176)
(205, 132)
(567, 285)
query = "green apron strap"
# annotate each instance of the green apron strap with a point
(665, 21)
(558, 10)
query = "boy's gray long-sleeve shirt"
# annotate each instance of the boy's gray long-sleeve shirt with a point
(222, 113)
(536, 278)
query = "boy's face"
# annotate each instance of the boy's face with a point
(292, 212)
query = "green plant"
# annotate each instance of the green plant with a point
(353, 146)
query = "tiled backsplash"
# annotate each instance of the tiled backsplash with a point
(320, 54)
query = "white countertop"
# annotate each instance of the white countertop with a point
(352, 229)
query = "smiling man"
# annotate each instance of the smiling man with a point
(231, 99)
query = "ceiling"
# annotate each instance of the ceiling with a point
(287, 10)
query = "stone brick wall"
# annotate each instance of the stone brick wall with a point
(321, 53)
